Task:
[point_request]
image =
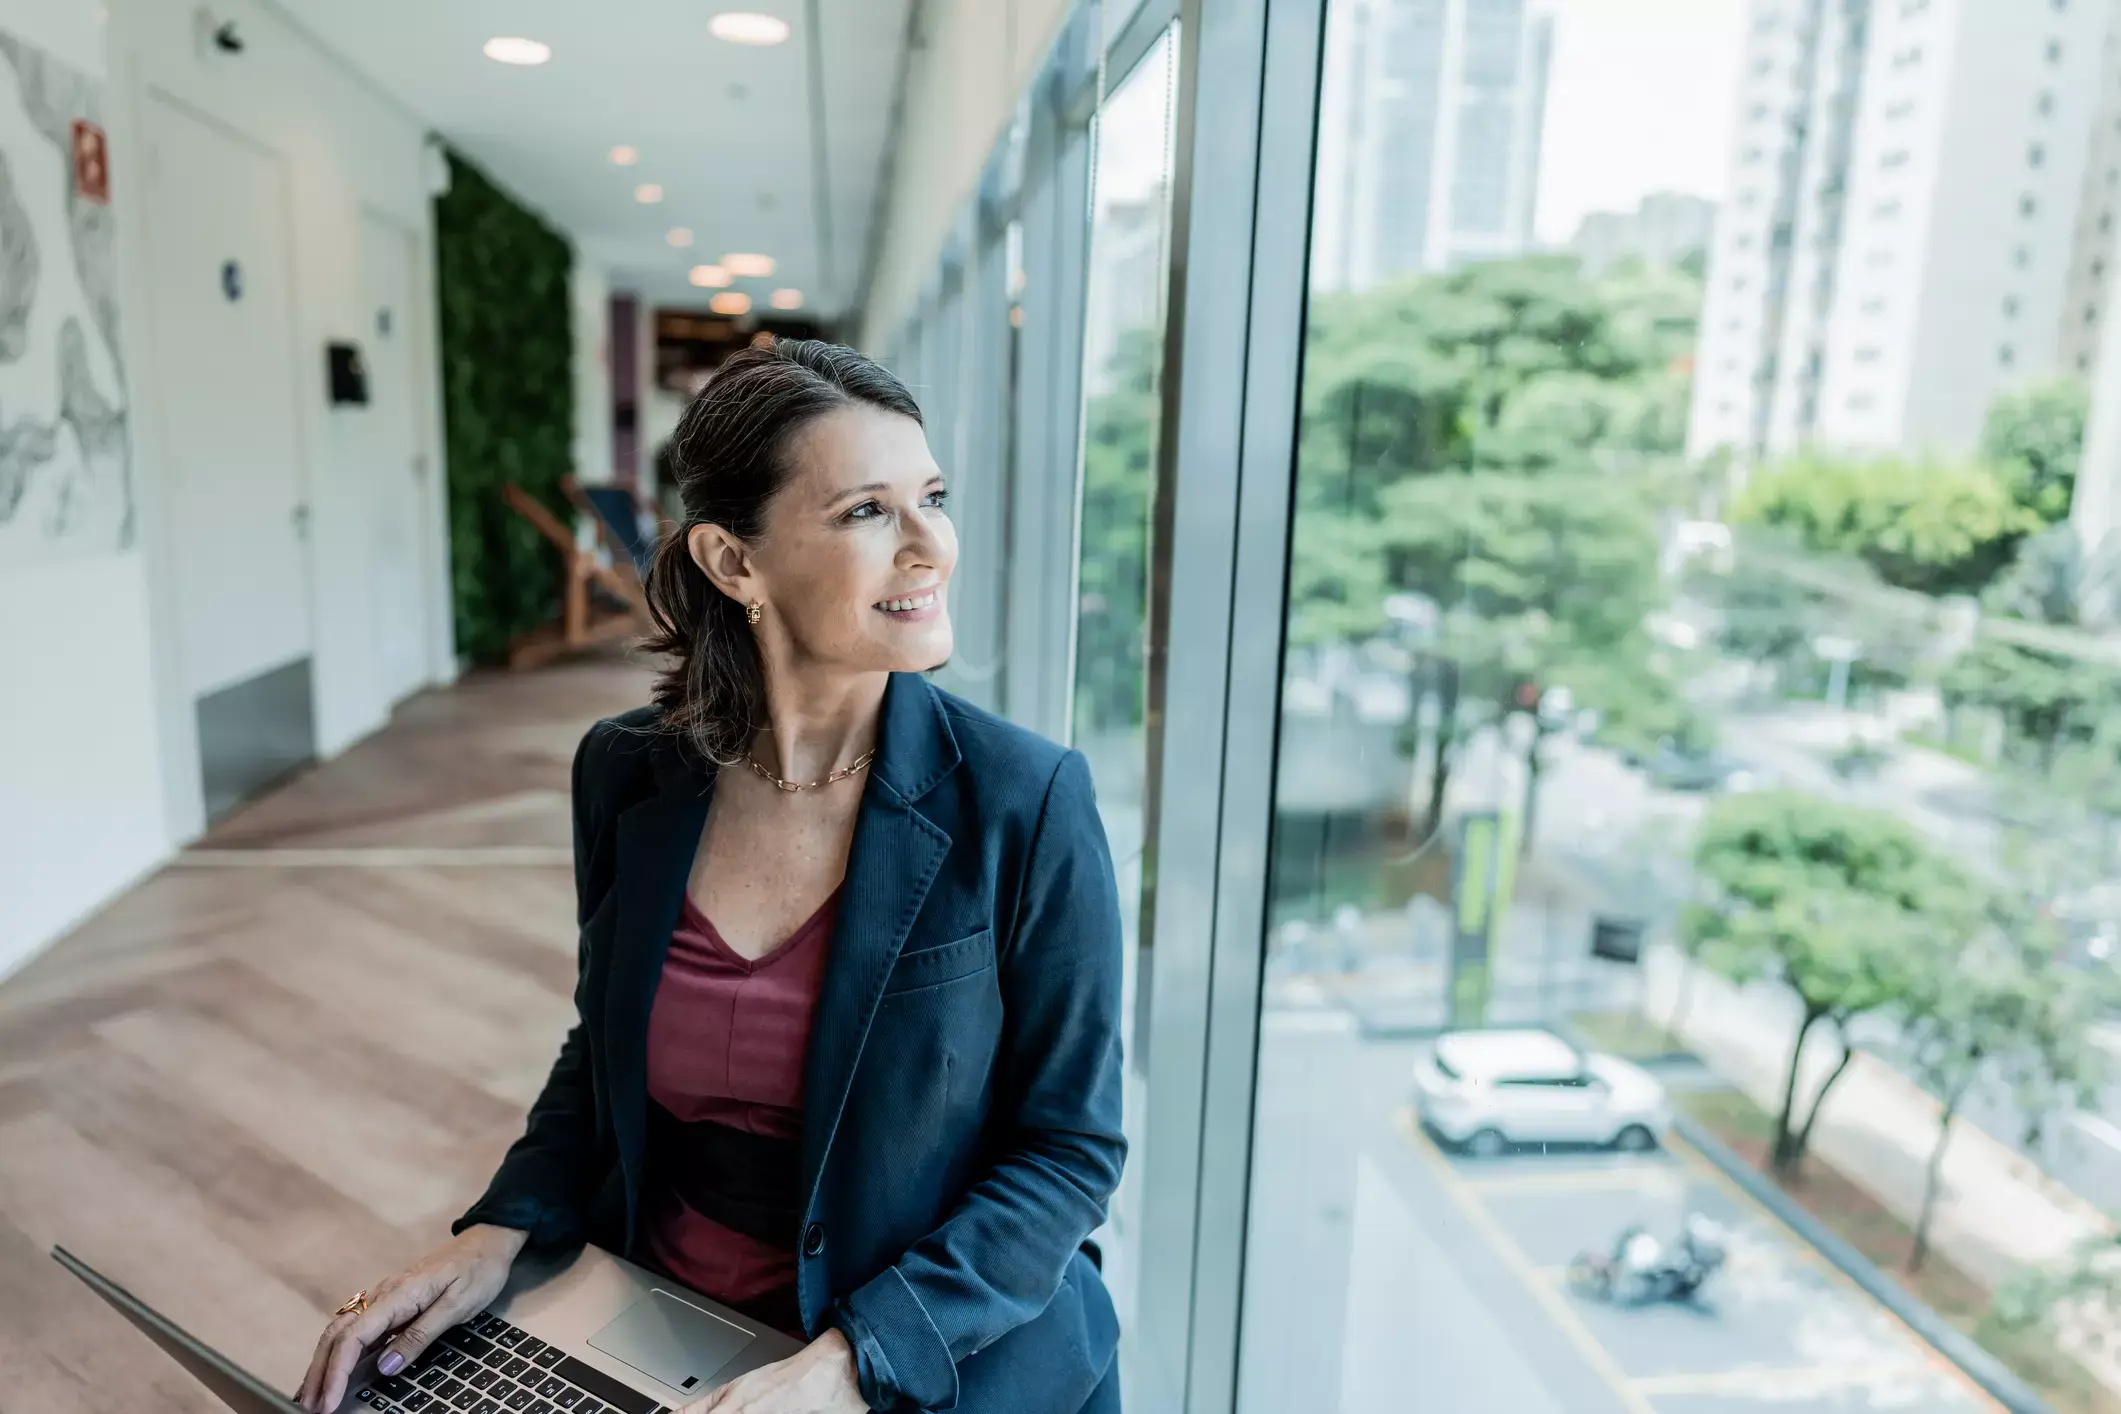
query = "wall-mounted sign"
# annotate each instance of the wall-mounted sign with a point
(91, 163)
(346, 374)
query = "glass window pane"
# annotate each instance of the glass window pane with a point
(1121, 365)
(1700, 739)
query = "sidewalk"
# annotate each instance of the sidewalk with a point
(1996, 1213)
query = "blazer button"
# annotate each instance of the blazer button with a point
(813, 1239)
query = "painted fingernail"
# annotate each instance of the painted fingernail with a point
(391, 1363)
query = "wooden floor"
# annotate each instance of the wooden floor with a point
(274, 1072)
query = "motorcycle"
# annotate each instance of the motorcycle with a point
(1642, 1271)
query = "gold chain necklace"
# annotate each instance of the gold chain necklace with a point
(853, 767)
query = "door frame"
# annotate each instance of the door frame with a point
(158, 516)
(436, 635)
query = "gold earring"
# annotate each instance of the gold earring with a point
(753, 612)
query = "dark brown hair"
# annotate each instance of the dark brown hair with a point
(730, 452)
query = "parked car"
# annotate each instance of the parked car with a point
(1484, 1091)
(1674, 768)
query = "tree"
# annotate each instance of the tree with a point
(1541, 579)
(1848, 908)
(1496, 440)
(2047, 700)
(1119, 479)
(2036, 436)
(1936, 527)
(2081, 1294)
(2003, 1013)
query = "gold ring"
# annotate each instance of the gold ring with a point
(354, 1305)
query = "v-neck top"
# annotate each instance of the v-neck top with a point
(727, 1038)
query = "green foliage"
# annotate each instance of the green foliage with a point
(1851, 909)
(2004, 1013)
(1641, 707)
(1521, 365)
(1930, 526)
(2036, 436)
(1764, 615)
(1120, 426)
(1535, 573)
(1499, 441)
(2081, 1294)
(1843, 905)
(507, 403)
(1492, 439)
(2047, 699)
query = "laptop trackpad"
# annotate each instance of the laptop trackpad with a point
(672, 1341)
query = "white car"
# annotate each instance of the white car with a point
(1484, 1091)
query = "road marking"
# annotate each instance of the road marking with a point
(1513, 1257)
(1577, 1181)
(1811, 1255)
(1771, 1383)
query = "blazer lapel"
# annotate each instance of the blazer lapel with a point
(894, 857)
(657, 840)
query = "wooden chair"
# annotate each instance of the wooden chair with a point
(616, 511)
(598, 603)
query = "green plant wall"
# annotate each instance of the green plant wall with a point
(507, 403)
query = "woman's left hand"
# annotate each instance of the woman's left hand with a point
(818, 1379)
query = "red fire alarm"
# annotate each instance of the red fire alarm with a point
(91, 162)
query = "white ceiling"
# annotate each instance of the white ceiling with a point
(726, 130)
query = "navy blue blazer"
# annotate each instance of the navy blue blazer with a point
(961, 1101)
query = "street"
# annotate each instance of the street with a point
(1605, 824)
(1385, 1275)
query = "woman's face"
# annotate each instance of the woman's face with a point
(852, 571)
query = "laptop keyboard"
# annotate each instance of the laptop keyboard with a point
(487, 1366)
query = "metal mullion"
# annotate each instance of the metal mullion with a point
(1241, 201)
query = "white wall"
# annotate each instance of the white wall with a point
(81, 799)
(347, 147)
(961, 89)
(99, 772)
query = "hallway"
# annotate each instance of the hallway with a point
(278, 1068)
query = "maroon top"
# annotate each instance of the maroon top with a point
(726, 1042)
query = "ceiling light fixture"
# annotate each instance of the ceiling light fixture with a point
(744, 27)
(751, 267)
(514, 49)
(648, 193)
(787, 299)
(624, 156)
(730, 302)
(709, 277)
(680, 236)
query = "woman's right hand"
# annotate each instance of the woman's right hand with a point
(455, 1280)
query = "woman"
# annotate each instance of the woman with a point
(848, 1047)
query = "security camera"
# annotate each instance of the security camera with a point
(227, 39)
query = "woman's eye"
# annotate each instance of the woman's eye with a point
(938, 498)
(867, 510)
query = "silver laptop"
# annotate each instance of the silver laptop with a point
(587, 1333)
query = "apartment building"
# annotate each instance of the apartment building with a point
(1429, 135)
(1905, 234)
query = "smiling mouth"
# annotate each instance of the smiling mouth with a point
(923, 600)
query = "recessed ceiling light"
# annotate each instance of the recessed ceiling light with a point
(648, 193)
(730, 302)
(514, 49)
(624, 156)
(787, 299)
(744, 27)
(751, 267)
(709, 277)
(680, 236)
